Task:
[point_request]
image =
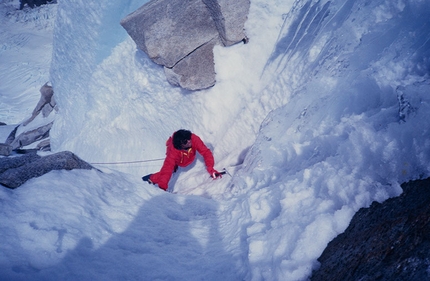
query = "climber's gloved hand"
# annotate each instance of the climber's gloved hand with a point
(215, 174)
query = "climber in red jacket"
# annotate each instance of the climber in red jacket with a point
(181, 151)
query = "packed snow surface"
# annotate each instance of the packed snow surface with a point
(324, 111)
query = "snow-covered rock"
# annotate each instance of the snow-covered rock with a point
(15, 171)
(37, 127)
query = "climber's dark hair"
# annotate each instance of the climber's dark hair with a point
(181, 137)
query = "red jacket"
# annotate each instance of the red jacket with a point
(182, 158)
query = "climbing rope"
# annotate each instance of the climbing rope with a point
(128, 162)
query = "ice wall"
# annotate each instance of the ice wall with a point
(356, 126)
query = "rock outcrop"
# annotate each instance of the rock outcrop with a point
(32, 3)
(26, 134)
(29, 137)
(45, 105)
(180, 35)
(388, 241)
(5, 149)
(15, 171)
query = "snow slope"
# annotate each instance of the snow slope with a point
(25, 57)
(325, 110)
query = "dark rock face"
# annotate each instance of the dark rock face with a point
(15, 171)
(5, 149)
(32, 3)
(180, 35)
(388, 241)
(14, 162)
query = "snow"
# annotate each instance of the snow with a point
(25, 55)
(324, 111)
